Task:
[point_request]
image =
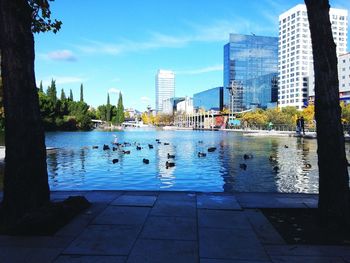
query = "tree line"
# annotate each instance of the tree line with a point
(66, 114)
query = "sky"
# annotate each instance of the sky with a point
(114, 46)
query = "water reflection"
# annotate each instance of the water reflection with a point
(75, 166)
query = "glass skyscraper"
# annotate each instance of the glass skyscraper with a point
(250, 70)
(211, 99)
(165, 87)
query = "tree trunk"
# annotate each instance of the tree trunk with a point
(333, 201)
(26, 182)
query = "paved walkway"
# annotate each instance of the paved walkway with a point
(171, 227)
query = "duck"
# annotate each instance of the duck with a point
(211, 149)
(115, 161)
(126, 152)
(307, 165)
(166, 143)
(145, 161)
(106, 147)
(150, 146)
(169, 164)
(247, 156)
(276, 168)
(272, 158)
(94, 147)
(200, 142)
(138, 148)
(114, 148)
(243, 166)
(201, 154)
(171, 156)
(157, 140)
(286, 146)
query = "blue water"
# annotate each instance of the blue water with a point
(76, 166)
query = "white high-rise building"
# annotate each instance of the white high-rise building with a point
(165, 87)
(295, 59)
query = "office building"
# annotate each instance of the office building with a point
(185, 107)
(170, 105)
(249, 60)
(211, 99)
(165, 87)
(295, 59)
(343, 77)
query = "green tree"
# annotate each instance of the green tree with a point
(52, 92)
(63, 95)
(120, 110)
(334, 199)
(26, 185)
(81, 92)
(41, 89)
(108, 109)
(71, 95)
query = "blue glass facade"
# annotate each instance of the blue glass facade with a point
(250, 63)
(261, 91)
(211, 99)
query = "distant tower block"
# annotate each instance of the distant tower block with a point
(165, 87)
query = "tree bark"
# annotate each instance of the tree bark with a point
(26, 181)
(333, 201)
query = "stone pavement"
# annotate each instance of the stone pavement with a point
(136, 226)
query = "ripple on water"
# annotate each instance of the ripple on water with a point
(76, 166)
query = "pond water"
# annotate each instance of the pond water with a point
(75, 165)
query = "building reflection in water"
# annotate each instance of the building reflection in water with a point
(166, 175)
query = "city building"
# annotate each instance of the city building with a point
(170, 104)
(343, 77)
(249, 60)
(165, 87)
(211, 99)
(185, 106)
(295, 59)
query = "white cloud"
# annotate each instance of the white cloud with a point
(114, 90)
(65, 55)
(200, 70)
(255, 52)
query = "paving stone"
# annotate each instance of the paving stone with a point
(79, 223)
(266, 233)
(180, 228)
(177, 196)
(160, 251)
(27, 255)
(35, 241)
(305, 259)
(260, 200)
(307, 250)
(102, 196)
(90, 259)
(174, 208)
(135, 200)
(122, 215)
(225, 243)
(222, 219)
(217, 202)
(211, 260)
(105, 240)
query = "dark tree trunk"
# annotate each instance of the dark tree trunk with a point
(333, 174)
(26, 182)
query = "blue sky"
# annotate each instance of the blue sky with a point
(112, 46)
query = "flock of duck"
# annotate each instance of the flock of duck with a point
(119, 147)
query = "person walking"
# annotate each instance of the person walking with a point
(298, 128)
(302, 125)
